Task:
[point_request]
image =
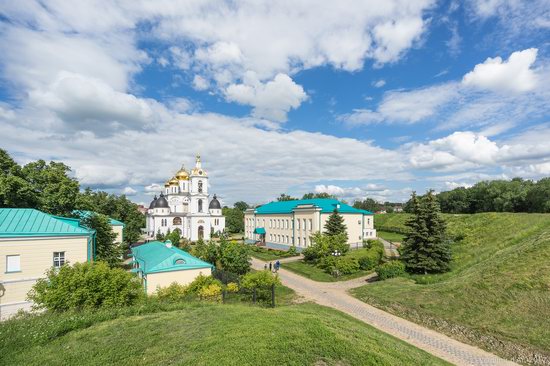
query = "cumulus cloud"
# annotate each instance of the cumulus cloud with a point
(200, 83)
(271, 100)
(380, 83)
(513, 75)
(129, 191)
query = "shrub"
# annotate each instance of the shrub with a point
(369, 261)
(292, 252)
(390, 269)
(327, 263)
(212, 292)
(347, 265)
(86, 286)
(232, 287)
(260, 279)
(234, 257)
(174, 292)
(201, 282)
(324, 245)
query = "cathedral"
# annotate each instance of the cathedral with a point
(184, 205)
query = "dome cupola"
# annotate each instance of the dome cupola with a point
(215, 204)
(152, 205)
(161, 202)
(182, 174)
(173, 181)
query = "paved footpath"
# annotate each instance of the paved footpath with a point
(333, 294)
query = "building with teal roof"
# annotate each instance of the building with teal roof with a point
(160, 264)
(116, 225)
(284, 224)
(31, 242)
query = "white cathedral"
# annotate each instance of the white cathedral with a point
(184, 205)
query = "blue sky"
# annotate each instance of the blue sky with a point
(358, 99)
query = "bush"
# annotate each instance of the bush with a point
(291, 252)
(86, 286)
(390, 269)
(234, 257)
(212, 292)
(201, 282)
(347, 265)
(324, 245)
(232, 287)
(260, 279)
(174, 292)
(328, 264)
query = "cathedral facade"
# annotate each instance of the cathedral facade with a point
(184, 204)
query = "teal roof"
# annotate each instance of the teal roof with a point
(325, 204)
(85, 213)
(156, 257)
(259, 230)
(21, 222)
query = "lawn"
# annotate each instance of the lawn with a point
(267, 255)
(317, 274)
(497, 295)
(208, 334)
(389, 236)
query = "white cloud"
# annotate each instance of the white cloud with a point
(454, 185)
(200, 83)
(129, 191)
(153, 188)
(272, 100)
(513, 75)
(330, 189)
(395, 36)
(514, 16)
(380, 83)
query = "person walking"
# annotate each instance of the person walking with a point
(270, 266)
(277, 266)
(265, 267)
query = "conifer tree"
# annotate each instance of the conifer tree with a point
(335, 225)
(425, 249)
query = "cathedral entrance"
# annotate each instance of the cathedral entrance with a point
(201, 232)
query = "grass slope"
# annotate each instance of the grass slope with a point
(498, 292)
(389, 236)
(209, 334)
(317, 274)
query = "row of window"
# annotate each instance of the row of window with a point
(305, 224)
(285, 239)
(176, 189)
(13, 262)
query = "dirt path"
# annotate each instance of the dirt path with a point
(334, 294)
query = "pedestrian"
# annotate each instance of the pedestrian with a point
(277, 266)
(265, 267)
(270, 266)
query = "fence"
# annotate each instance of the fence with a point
(264, 296)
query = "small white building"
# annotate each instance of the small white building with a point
(184, 204)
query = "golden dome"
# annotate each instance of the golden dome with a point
(167, 184)
(182, 174)
(173, 181)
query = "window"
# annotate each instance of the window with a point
(298, 225)
(13, 263)
(200, 205)
(200, 186)
(359, 222)
(310, 224)
(298, 241)
(58, 259)
(368, 221)
(304, 224)
(176, 221)
(179, 261)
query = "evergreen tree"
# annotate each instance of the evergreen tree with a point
(335, 225)
(425, 249)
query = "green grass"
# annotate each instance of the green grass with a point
(317, 274)
(268, 254)
(389, 236)
(497, 294)
(210, 334)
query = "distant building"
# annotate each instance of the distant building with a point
(31, 242)
(287, 223)
(184, 205)
(142, 209)
(161, 264)
(117, 226)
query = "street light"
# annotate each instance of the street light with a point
(336, 253)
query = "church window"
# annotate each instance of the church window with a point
(200, 186)
(176, 221)
(200, 205)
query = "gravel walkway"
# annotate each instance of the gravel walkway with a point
(334, 295)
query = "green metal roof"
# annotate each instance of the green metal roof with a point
(85, 214)
(156, 257)
(21, 222)
(259, 230)
(325, 204)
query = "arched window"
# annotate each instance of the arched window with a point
(179, 261)
(176, 221)
(200, 205)
(200, 186)
(201, 232)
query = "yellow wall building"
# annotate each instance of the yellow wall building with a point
(31, 242)
(291, 223)
(161, 264)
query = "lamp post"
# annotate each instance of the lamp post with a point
(336, 254)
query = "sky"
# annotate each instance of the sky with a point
(354, 98)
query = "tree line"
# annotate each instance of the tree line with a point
(48, 187)
(516, 195)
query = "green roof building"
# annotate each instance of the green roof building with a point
(284, 224)
(161, 264)
(31, 242)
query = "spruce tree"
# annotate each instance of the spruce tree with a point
(425, 249)
(335, 225)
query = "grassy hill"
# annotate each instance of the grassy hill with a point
(497, 295)
(208, 334)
